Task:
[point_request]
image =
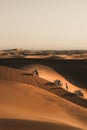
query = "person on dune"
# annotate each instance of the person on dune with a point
(36, 73)
(67, 86)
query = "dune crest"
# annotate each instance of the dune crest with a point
(49, 74)
(11, 74)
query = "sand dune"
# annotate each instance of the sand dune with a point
(49, 74)
(11, 74)
(75, 71)
(44, 71)
(26, 102)
(10, 124)
(30, 102)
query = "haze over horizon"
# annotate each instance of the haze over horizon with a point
(48, 24)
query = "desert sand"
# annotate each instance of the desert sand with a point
(27, 102)
(75, 71)
(49, 74)
(21, 76)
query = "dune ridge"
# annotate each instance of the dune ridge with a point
(11, 74)
(74, 71)
(49, 74)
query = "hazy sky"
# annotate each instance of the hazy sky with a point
(43, 24)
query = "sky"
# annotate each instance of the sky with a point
(43, 24)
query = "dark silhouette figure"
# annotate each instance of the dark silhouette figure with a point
(66, 86)
(36, 73)
(58, 83)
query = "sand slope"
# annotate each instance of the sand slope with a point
(26, 102)
(50, 75)
(11, 74)
(74, 71)
(14, 124)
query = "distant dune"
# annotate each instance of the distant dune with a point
(44, 54)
